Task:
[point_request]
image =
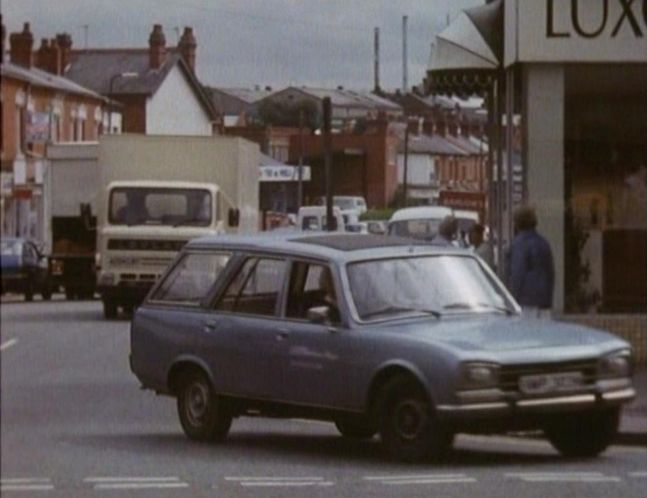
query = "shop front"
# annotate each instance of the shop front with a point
(575, 80)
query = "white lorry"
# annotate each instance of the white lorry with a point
(71, 180)
(158, 192)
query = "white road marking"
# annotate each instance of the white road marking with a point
(562, 477)
(25, 484)
(26, 487)
(141, 485)
(130, 479)
(24, 480)
(421, 479)
(8, 344)
(253, 478)
(638, 474)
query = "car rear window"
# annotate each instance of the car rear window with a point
(191, 279)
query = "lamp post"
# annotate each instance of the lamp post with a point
(114, 78)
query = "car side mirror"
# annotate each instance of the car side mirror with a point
(318, 314)
(233, 217)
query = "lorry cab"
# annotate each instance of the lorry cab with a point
(142, 226)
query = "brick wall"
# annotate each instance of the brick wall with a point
(632, 328)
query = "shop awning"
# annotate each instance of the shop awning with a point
(468, 52)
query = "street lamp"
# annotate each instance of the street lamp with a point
(113, 78)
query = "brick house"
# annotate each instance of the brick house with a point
(157, 86)
(39, 105)
(237, 106)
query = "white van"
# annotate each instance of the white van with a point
(314, 218)
(418, 222)
(346, 203)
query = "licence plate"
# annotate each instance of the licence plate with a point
(551, 383)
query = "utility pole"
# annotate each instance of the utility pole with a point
(85, 35)
(300, 172)
(327, 146)
(405, 70)
(406, 162)
(376, 46)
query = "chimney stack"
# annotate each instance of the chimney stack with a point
(48, 57)
(4, 34)
(157, 47)
(64, 42)
(187, 47)
(21, 46)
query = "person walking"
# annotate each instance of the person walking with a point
(447, 231)
(530, 268)
(479, 245)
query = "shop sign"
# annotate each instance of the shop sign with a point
(22, 192)
(279, 173)
(37, 127)
(473, 201)
(575, 31)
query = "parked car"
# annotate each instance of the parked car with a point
(313, 218)
(418, 222)
(24, 269)
(346, 203)
(357, 227)
(377, 227)
(376, 334)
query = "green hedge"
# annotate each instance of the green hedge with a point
(377, 214)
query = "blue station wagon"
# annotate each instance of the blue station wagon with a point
(376, 334)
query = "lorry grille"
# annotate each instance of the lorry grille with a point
(146, 245)
(510, 374)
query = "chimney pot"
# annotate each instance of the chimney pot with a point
(157, 47)
(187, 47)
(21, 45)
(48, 57)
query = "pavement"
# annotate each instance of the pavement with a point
(633, 425)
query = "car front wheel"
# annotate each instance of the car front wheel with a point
(202, 413)
(408, 428)
(584, 434)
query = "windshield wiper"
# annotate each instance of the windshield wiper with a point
(472, 306)
(401, 309)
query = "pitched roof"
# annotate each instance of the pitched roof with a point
(246, 95)
(97, 69)
(40, 78)
(340, 97)
(433, 145)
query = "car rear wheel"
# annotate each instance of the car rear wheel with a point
(584, 434)
(355, 427)
(409, 430)
(203, 415)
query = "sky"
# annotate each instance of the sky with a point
(243, 43)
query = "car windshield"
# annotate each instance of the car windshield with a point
(160, 206)
(435, 285)
(424, 229)
(10, 248)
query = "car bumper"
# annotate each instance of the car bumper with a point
(606, 393)
(131, 292)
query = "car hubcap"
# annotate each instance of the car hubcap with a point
(197, 401)
(409, 419)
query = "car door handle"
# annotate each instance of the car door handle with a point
(210, 325)
(282, 334)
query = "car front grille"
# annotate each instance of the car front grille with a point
(510, 374)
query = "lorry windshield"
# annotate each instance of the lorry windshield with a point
(160, 206)
(436, 285)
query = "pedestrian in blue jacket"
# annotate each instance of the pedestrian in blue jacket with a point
(530, 269)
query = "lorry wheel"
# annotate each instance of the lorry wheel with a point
(203, 415)
(584, 434)
(47, 293)
(29, 292)
(69, 294)
(409, 430)
(109, 309)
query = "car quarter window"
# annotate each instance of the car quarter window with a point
(192, 278)
(255, 288)
(311, 285)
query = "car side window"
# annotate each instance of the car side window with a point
(311, 285)
(191, 278)
(255, 288)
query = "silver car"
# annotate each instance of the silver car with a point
(376, 334)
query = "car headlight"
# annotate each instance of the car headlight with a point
(618, 364)
(478, 375)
